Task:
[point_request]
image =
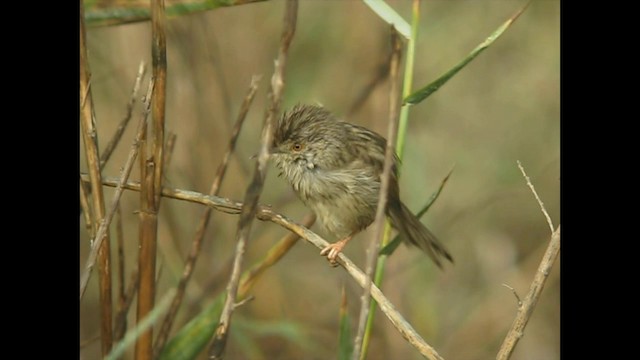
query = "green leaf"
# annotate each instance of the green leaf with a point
(390, 16)
(393, 244)
(423, 93)
(195, 335)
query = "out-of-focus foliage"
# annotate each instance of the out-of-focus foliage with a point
(502, 107)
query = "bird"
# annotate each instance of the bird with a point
(335, 169)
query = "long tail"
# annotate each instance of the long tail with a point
(415, 233)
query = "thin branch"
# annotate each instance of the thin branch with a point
(514, 294)
(254, 189)
(265, 213)
(123, 307)
(85, 207)
(115, 139)
(104, 225)
(196, 245)
(533, 190)
(528, 304)
(90, 139)
(168, 151)
(87, 342)
(374, 246)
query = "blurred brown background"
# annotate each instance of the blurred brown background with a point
(503, 107)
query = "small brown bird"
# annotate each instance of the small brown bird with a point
(335, 169)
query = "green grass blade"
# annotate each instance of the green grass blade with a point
(393, 244)
(423, 93)
(103, 13)
(133, 334)
(345, 341)
(194, 336)
(390, 16)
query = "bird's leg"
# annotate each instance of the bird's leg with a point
(334, 249)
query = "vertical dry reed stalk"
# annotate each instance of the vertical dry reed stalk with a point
(89, 136)
(151, 180)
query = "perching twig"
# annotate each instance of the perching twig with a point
(252, 194)
(533, 190)
(196, 245)
(374, 247)
(265, 213)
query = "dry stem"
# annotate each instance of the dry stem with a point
(123, 307)
(374, 247)
(529, 303)
(533, 190)
(89, 136)
(255, 187)
(85, 209)
(526, 307)
(151, 173)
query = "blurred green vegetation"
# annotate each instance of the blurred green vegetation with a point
(503, 107)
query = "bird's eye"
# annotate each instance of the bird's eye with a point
(296, 147)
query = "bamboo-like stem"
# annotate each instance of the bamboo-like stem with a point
(104, 225)
(265, 213)
(90, 139)
(254, 189)
(151, 173)
(196, 245)
(374, 246)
